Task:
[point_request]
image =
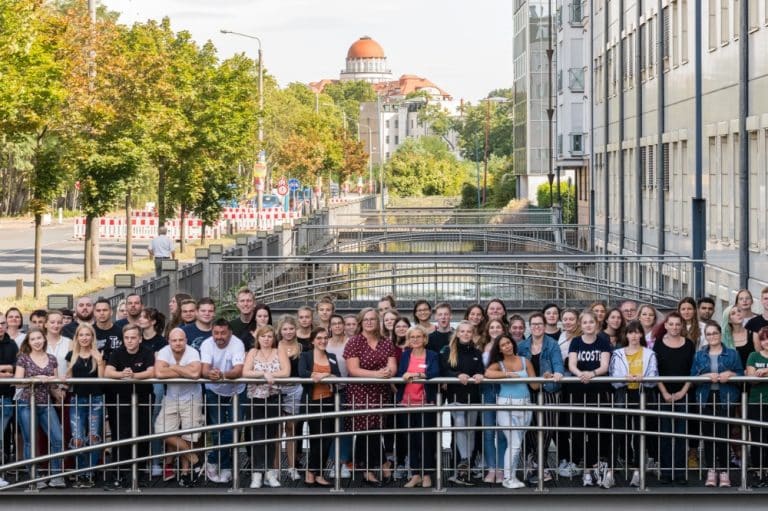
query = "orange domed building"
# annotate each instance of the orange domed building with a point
(366, 61)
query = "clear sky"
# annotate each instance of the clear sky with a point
(463, 46)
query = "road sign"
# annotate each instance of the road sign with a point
(282, 187)
(260, 169)
(258, 184)
(293, 184)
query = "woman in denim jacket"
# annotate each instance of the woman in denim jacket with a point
(544, 353)
(715, 398)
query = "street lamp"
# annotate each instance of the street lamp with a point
(262, 154)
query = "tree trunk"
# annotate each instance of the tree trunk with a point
(182, 231)
(128, 233)
(161, 196)
(202, 234)
(38, 253)
(88, 261)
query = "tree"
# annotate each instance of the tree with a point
(424, 166)
(567, 195)
(348, 95)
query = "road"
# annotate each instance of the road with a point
(62, 255)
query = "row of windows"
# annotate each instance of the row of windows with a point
(724, 19)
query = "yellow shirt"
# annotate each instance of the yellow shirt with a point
(635, 363)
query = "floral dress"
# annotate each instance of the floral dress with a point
(368, 395)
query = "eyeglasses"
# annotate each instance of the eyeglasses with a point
(711, 334)
(536, 324)
(369, 319)
(628, 310)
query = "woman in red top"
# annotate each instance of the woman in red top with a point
(369, 355)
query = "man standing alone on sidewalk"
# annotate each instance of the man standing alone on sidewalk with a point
(161, 247)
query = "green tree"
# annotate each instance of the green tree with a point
(348, 95)
(424, 166)
(568, 198)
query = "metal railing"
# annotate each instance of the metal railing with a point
(523, 281)
(435, 215)
(444, 238)
(621, 436)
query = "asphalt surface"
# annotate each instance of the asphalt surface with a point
(62, 255)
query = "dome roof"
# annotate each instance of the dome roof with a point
(365, 48)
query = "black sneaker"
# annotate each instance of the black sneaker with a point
(186, 481)
(85, 482)
(113, 484)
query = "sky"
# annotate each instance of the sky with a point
(464, 47)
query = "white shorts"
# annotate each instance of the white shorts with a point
(177, 414)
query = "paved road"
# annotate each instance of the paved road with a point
(62, 255)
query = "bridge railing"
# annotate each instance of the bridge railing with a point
(628, 439)
(445, 238)
(523, 281)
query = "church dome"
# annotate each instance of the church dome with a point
(365, 48)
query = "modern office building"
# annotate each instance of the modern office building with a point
(679, 135)
(531, 132)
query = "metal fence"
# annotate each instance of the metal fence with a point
(436, 215)
(443, 238)
(449, 444)
(522, 281)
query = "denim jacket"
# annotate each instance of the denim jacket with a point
(728, 360)
(550, 360)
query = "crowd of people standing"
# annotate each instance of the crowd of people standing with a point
(631, 341)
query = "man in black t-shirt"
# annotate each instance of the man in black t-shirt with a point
(132, 361)
(83, 314)
(440, 338)
(109, 336)
(201, 329)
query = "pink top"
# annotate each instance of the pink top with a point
(413, 394)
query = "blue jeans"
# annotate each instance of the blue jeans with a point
(219, 410)
(49, 421)
(86, 415)
(494, 442)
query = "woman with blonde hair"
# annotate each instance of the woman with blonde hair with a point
(86, 411)
(288, 345)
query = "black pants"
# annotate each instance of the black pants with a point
(263, 454)
(588, 441)
(551, 418)
(420, 444)
(123, 429)
(319, 447)
(368, 450)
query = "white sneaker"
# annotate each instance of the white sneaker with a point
(271, 479)
(57, 482)
(212, 472)
(651, 464)
(513, 483)
(41, 485)
(225, 476)
(256, 480)
(587, 480)
(608, 480)
(293, 474)
(345, 472)
(568, 469)
(600, 469)
(3, 483)
(635, 479)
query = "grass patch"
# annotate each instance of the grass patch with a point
(433, 201)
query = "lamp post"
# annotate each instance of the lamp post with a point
(262, 154)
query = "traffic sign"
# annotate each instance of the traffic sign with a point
(282, 187)
(293, 184)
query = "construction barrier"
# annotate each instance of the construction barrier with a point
(144, 224)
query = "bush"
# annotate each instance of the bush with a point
(568, 197)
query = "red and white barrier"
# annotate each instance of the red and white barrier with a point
(144, 225)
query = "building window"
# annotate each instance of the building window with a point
(753, 15)
(559, 18)
(675, 22)
(712, 15)
(724, 35)
(666, 36)
(559, 80)
(684, 31)
(577, 143)
(576, 79)
(643, 49)
(665, 170)
(651, 46)
(577, 16)
(397, 123)
(397, 139)
(651, 167)
(386, 139)
(559, 144)
(386, 124)
(643, 167)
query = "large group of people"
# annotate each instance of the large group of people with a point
(635, 343)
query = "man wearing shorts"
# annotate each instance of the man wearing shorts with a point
(182, 406)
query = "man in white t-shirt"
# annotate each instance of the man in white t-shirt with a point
(161, 248)
(222, 356)
(183, 403)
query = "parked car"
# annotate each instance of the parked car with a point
(268, 201)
